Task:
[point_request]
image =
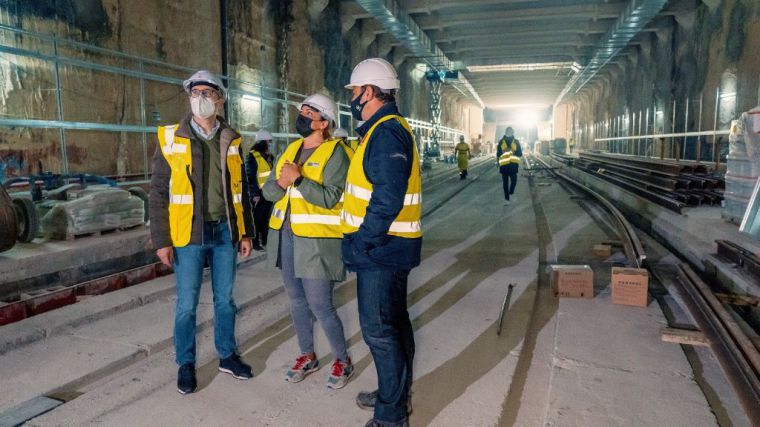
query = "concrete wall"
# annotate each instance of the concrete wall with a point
(705, 48)
(315, 55)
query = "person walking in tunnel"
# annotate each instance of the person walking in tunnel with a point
(200, 215)
(342, 134)
(462, 151)
(383, 235)
(508, 154)
(305, 234)
(258, 166)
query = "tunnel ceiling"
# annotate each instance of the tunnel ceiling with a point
(527, 50)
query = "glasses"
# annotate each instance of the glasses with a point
(206, 93)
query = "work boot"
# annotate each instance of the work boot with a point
(305, 364)
(235, 367)
(375, 423)
(367, 399)
(186, 382)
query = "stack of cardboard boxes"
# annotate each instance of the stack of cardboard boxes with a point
(629, 285)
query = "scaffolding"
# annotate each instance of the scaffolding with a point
(252, 106)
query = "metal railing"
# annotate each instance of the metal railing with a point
(251, 105)
(644, 133)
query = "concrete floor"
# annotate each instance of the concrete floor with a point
(558, 362)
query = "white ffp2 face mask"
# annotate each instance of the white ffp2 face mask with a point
(202, 107)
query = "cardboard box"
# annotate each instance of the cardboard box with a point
(629, 286)
(574, 281)
(602, 251)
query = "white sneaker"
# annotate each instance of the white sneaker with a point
(513, 198)
(506, 202)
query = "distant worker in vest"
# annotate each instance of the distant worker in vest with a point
(509, 153)
(200, 215)
(383, 235)
(462, 151)
(305, 234)
(258, 166)
(342, 134)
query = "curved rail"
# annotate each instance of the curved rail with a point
(631, 243)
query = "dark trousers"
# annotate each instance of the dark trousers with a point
(387, 330)
(509, 181)
(261, 213)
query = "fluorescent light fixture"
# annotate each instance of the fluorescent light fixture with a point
(524, 67)
(254, 98)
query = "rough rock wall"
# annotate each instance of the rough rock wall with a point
(185, 33)
(690, 57)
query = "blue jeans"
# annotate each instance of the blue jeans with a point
(220, 253)
(307, 297)
(387, 330)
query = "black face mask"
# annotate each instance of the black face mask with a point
(357, 107)
(303, 126)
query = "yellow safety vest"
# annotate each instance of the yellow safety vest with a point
(306, 219)
(176, 151)
(262, 168)
(358, 192)
(508, 156)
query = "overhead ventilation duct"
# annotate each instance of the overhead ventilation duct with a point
(402, 27)
(632, 20)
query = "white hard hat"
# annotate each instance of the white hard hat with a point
(322, 103)
(263, 135)
(340, 133)
(374, 71)
(205, 77)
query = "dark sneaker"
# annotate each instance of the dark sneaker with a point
(374, 423)
(305, 364)
(366, 400)
(235, 367)
(186, 382)
(340, 373)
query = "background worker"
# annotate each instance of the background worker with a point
(462, 151)
(258, 166)
(305, 234)
(383, 235)
(508, 154)
(198, 216)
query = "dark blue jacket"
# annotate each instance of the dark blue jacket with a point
(387, 165)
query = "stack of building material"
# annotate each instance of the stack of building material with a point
(90, 210)
(673, 185)
(742, 166)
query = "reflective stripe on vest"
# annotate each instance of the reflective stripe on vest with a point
(508, 156)
(178, 154)
(307, 219)
(358, 192)
(262, 168)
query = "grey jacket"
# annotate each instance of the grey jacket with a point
(314, 258)
(159, 189)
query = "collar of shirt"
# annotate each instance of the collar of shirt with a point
(387, 109)
(200, 132)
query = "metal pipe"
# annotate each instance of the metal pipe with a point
(715, 126)
(143, 122)
(686, 128)
(671, 135)
(673, 124)
(59, 107)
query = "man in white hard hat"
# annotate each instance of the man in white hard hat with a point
(509, 154)
(258, 166)
(383, 235)
(200, 214)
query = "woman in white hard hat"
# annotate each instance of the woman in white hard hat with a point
(258, 166)
(305, 235)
